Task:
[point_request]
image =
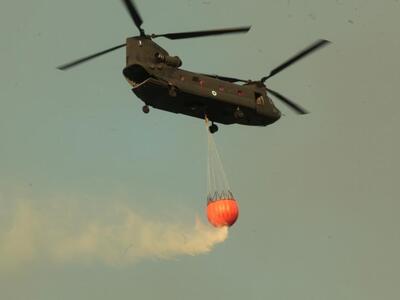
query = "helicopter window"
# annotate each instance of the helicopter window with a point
(259, 99)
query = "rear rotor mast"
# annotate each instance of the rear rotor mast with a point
(137, 20)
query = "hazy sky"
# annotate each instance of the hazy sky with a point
(318, 194)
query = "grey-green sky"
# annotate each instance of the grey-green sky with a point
(318, 193)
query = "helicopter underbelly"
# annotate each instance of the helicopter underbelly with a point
(158, 94)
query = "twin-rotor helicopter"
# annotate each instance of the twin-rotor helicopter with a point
(157, 79)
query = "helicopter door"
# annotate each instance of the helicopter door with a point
(260, 102)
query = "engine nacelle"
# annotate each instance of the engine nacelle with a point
(173, 61)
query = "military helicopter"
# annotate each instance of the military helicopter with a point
(157, 79)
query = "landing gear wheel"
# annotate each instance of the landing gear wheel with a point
(146, 109)
(213, 128)
(238, 114)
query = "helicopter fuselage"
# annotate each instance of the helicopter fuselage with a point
(157, 79)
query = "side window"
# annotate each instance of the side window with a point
(259, 99)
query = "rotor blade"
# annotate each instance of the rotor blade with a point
(192, 34)
(225, 78)
(290, 103)
(134, 14)
(84, 59)
(315, 46)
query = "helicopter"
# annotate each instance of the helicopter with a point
(157, 79)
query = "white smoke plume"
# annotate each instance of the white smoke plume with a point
(121, 238)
